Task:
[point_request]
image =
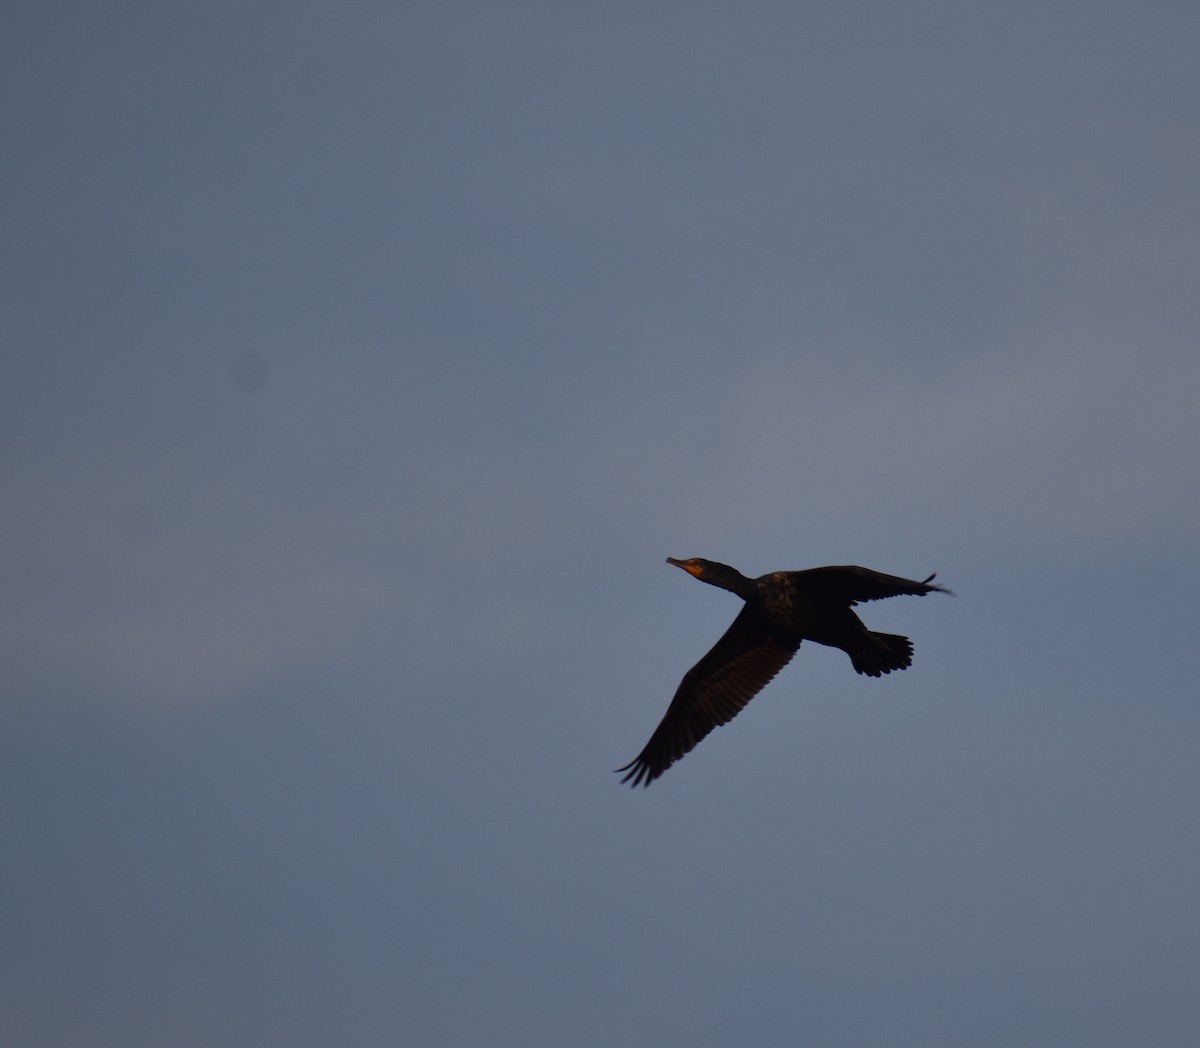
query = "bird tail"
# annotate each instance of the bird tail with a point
(881, 653)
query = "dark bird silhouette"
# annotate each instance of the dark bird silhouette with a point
(782, 609)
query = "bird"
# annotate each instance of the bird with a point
(781, 609)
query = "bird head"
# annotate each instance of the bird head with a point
(713, 572)
(694, 565)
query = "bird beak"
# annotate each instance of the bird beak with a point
(691, 569)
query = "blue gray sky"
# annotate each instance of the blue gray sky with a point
(363, 362)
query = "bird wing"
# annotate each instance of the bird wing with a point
(848, 584)
(713, 692)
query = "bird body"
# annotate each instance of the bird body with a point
(781, 610)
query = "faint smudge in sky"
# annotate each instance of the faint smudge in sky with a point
(249, 371)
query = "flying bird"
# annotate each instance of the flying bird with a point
(781, 610)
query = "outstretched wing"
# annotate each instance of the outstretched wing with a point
(848, 584)
(712, 693)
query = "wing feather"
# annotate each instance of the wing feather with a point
(850, 584)
(712, 693)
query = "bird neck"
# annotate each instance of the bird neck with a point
(727, 578)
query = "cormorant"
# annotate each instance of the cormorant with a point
(782, 609)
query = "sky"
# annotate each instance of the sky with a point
(362, 364)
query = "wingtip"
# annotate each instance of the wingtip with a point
(939, 589)
(638, 772)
